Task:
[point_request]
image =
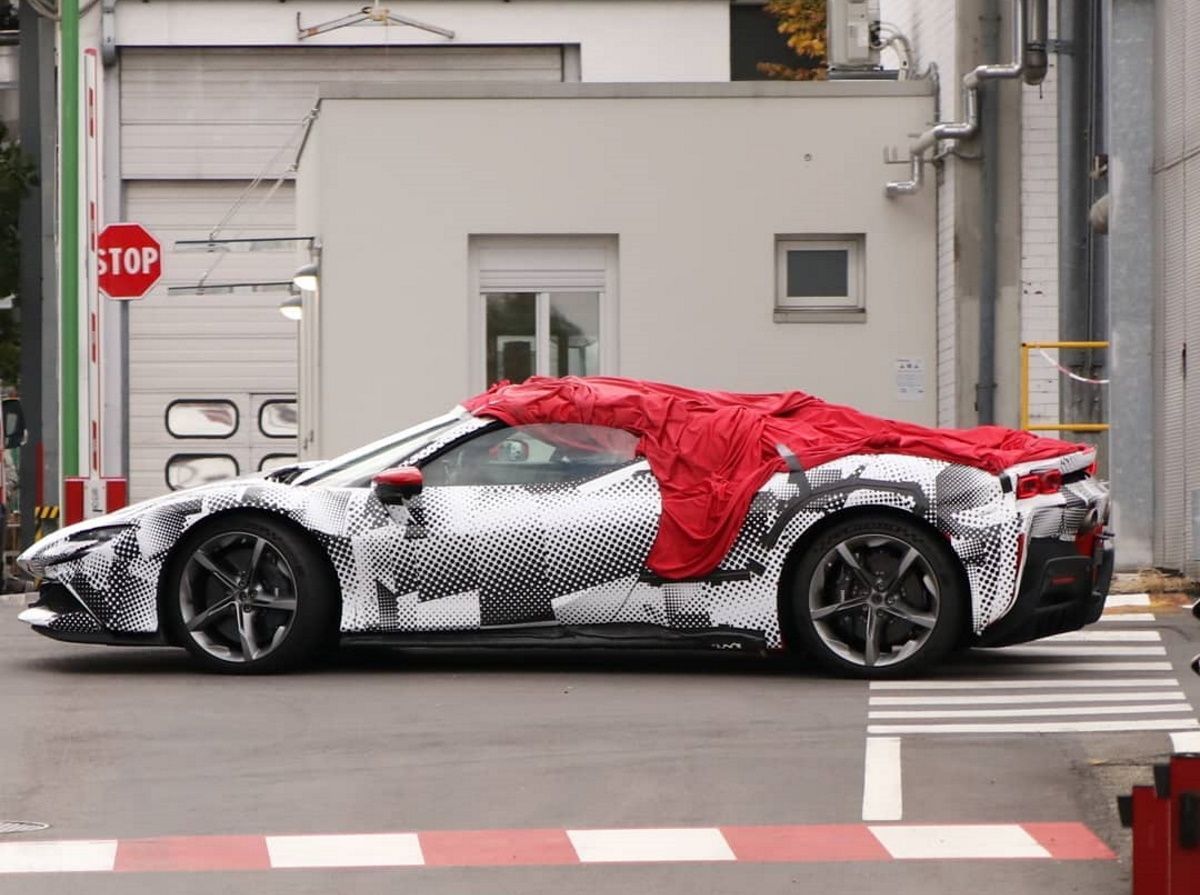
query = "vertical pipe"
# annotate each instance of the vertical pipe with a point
(1024, 387)
(1074, 280)
(985, 389)
(69, 235)
(30, 288)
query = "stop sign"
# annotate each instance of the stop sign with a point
(128, 259)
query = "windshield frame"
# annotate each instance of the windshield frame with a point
(356, 468)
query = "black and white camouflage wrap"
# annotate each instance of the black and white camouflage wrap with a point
(467, 557)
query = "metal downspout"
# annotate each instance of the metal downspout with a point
(985, 387)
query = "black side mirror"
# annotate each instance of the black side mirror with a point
(14, 423)
(395, 486)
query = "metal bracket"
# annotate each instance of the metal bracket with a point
(108, 33)
(1060, 47)
(380, 15)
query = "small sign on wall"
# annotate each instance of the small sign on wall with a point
(910, 378)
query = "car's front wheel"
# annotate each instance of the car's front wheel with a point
(249, 595)
(878, 596)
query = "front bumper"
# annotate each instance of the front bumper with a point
(59, 614)
(1060, 591)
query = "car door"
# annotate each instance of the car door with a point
(542, 525)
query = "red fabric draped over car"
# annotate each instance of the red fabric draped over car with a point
(711, 451)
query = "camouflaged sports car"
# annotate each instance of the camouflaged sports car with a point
(605, 512)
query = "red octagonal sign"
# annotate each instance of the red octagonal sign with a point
(129, 261)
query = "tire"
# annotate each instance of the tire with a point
(846, 588)
(248, 595)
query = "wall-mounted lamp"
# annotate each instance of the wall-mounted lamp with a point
(293, 308)
(305, 278)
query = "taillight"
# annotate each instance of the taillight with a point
(1046, 481)
(1091, 470)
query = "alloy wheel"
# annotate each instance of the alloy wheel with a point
(237, 597)
(874, 600)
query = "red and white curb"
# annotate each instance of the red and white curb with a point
(529, 848)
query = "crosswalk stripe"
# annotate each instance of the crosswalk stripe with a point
(1051, 712)
(1029, 698)
(1127, 600)
(1103, 635)
(1128, 617)
(1038, 727)
(1071, 651)
(1045, 664)
(1024, 683)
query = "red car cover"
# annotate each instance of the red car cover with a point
(711, 451)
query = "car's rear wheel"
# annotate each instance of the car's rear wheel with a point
(247, 595)
(878, 596)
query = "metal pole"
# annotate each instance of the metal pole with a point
(985, 388)
(69, 236)
(31, 286)
(1074, 236)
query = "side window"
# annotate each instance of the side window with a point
(531, 455)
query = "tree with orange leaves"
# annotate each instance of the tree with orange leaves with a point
(803, 23)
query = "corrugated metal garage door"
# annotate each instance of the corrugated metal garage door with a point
(1177, 318)
(197, 125)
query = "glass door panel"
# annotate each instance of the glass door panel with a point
(574, 348)
(511, 336)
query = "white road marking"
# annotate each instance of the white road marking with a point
(606, 846)
(1042, 665)
(1129, 617)
(1032, 650)
(58, 857)
(1037, 727)
(982, 841)
(1051, 712)
(1102, 635)
(883, 791)
(1185, 742)
(1030, 698)
(1127, 600)
(366, 850)
(1025, 683)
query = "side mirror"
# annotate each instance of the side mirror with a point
(14, 423)
(395, 486)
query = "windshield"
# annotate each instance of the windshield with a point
(358, 466)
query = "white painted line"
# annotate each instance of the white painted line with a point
(982, 841)
(58, 857)
(1030, 698)
(1050, 664)
(1044, 712)
(608, 846)
(1127, 600)
(1024, 683)
(1043, 727)
(1072, 652)
(368, 850)
(883, 792)
(1129, 617)
(1103, 635)
(1185, 742)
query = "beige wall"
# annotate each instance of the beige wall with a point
(695, 188)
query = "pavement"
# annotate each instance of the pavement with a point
(477, 772)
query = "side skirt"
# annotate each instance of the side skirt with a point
(616, 637)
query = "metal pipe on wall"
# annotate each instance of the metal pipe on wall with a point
(985, 385)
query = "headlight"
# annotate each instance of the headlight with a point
(34, 561)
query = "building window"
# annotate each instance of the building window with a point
(542, 334)
(755, 44)
(275, 461)
(819, 278)
(190, 470)
(277, 419)
(546, 306)
(202, 419)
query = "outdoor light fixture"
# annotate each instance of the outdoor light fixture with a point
(293, 308)
(305, 278)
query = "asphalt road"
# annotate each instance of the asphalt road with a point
(106, 743)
